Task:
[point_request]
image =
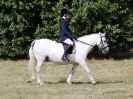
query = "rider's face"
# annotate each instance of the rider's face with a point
(67, 16)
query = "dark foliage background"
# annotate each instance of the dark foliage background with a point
(21, 21)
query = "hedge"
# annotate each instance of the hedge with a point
(22, 21)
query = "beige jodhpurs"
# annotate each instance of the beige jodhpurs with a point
(68, 41)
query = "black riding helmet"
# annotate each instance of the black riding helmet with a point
(64, 11)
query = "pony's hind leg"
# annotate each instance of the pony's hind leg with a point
(71, 73)
(31, 66)
(37, 71)
(31, 73)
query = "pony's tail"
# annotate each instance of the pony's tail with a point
(32, 62)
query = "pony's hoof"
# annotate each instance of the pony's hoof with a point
(93, 82)
(69, 82)
(40, 83)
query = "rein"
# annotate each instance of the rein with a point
(84, 43)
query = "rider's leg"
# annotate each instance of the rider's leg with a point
(68, 46)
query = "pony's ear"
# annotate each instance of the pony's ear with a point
(105, 33)
(100, 33)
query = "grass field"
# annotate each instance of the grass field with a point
(114, 81)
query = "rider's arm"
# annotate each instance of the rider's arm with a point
(64, 29)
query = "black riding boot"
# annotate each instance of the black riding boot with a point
(67, 50)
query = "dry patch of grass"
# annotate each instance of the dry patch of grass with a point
(114, 81)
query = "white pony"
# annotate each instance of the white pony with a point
(42, 48)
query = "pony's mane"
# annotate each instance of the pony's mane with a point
(86, 36)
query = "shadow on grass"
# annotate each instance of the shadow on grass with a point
(110, 82)
(76, 83)
(58, 82)
(99, 82)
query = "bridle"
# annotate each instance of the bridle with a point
(101, 42)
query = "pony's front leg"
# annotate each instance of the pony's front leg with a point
(71, 73)
(86, 68)
(39, 63)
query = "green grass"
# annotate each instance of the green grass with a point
(114, 81)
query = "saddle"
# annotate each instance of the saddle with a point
(69, 47)
(70, 50)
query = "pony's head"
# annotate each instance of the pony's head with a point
(102, 43)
